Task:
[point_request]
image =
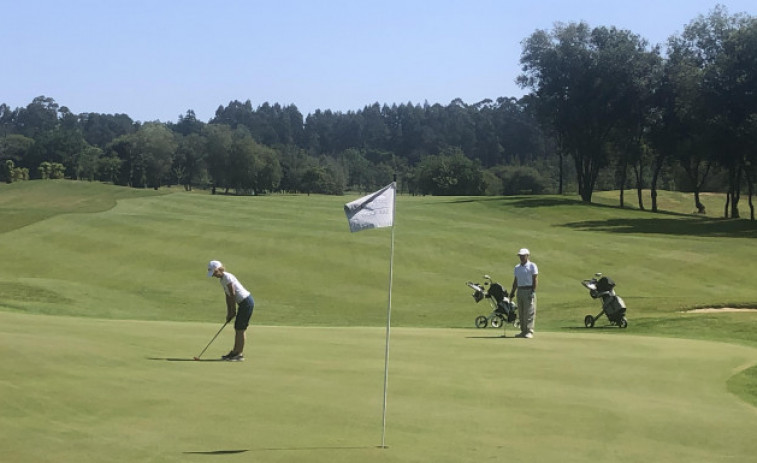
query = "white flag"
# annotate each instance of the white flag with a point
(375, 210)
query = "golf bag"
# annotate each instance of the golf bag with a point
(603, 288)
(502, 309)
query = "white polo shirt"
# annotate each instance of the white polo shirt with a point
(525, 273)
(241, 292)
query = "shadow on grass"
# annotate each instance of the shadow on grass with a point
(551, 201)
(537, 201)
(661, 222)
(671, 226)
(183, 359)
(744, 385)
(519, 201)
(595, 328)
(508, 336)
(275, 449)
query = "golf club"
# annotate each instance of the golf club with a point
(211, 341)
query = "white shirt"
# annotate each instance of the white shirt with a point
(525, 273)
(229, 279)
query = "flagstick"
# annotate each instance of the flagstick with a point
(388, 329)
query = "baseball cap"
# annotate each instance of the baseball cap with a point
(524, 252)
(212, 266)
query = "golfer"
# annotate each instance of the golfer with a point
(525, 282)
(236, 296)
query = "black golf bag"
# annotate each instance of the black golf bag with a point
(503, 310)
(613, 306)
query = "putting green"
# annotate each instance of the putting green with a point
(88, 390)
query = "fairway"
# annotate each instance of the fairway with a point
(82, 390)
(145, 258)
(104, 301)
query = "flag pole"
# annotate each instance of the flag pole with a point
(373, 211)
(388, 321)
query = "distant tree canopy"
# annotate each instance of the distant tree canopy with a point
(450, 174)
(621, 112)
(609, 99)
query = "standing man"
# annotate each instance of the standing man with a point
(525, 282)
(236, 296)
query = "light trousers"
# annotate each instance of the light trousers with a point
(526, 300)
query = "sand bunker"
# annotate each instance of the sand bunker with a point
(722, 310)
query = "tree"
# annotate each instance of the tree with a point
(218, 140)
(189, 162)
(87, 163)
(243, 162)
(9, 173)
(358, 169)
(7, 116)
(323, 178)
(678, 131)
(51, 170)
(722, 47)
(58, 145)
(294, 161)
(235, 114)
(582, 81)
(6, 171)
(249, 167)
(101, 129)
(450, 173)
(320, 133)
(131, 161)
(41, 115)
(488, 149)
(188, 124)
(636, 112)
(521, 180)
(269, 172)
(738, 77)
(375, 128)
(15, 146)
(157, 146)
(109, 168)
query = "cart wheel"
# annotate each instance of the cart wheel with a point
(589, 321)
(498, 321)
(480, 321)
(623, 323)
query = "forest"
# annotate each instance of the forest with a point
(604, 110)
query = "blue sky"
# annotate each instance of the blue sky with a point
(154, 60)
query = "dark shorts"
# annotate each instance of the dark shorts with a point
(244, 312)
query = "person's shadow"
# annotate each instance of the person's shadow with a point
(182, 359)
(274, 449)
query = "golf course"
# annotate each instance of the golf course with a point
(105, 302)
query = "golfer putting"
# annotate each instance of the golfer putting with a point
(239, 304)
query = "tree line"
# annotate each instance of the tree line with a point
(609, 99)
(605, 110)
(433, 149)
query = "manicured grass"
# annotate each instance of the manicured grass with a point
(24, 203)
(744, 385)
(145, 258)
(103, 299)
(87, 390)
(671, 202)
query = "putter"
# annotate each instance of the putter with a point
(211, 341)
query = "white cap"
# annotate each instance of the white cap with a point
(524, 252)
(212, 266)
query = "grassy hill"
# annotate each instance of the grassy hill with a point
(101, 251)
(104, 301)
